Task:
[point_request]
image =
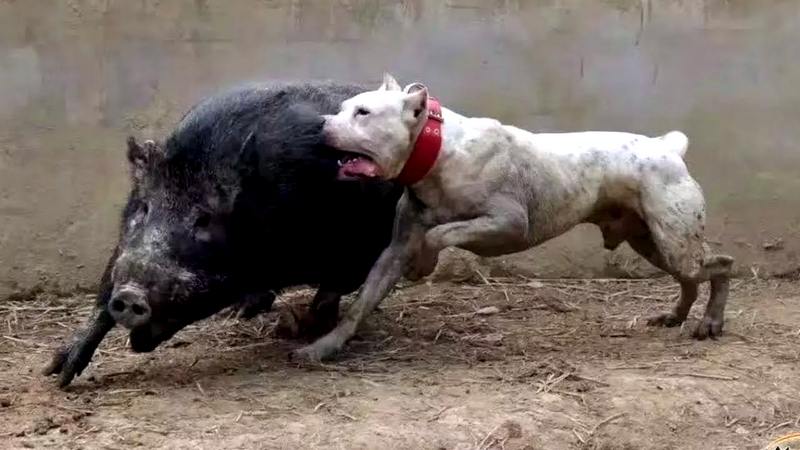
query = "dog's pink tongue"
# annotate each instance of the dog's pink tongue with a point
(359, 167)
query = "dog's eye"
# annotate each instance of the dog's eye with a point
(361, 112)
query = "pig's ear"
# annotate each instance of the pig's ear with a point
(141, 156)
(248, 155)
(389, 83)
(416, 102)
(137, 156)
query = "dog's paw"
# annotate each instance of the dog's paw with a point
(322, 349)
(668, 320)
(708, 328)
(305, 355)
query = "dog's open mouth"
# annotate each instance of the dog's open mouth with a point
(356, 166)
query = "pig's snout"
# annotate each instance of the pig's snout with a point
(129, 307)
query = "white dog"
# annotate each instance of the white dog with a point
(495, 189)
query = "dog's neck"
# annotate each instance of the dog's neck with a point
(458, 169)
(451, 153)
(452, 129)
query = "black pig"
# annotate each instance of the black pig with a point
(244, 199)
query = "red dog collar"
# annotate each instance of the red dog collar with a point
(426, 148)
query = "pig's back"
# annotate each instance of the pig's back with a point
(311, 227)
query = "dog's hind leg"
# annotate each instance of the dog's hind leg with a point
(717, 268)
(645, 247)
(675, 215)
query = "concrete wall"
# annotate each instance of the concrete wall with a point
(76, 76)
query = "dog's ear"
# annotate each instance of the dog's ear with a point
(389, 83)
(417, 100)
(413, 87)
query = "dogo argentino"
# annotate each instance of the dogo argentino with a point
(494, 189)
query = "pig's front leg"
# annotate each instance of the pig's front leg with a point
(423, 261)
(382, 278)
(254, 304)
(312, 321)
(70, 360)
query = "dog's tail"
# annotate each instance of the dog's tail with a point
(676, 142)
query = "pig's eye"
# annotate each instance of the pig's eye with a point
(202, 222)
(139, 215)
(361, 112)
(202, 231)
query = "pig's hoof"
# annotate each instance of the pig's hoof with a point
(668, 320)
(247, 311)
(421, 269)
(57, 362)
(288, 326)
(416, 274)
(67, 363)
(316, 324)
(254, 305)
(413, 275)
(297, 322)
(708, 328)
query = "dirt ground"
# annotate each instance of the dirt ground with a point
(505, 364)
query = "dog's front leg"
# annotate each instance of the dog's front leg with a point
(386, 272)
(502, 231)
(422, 259)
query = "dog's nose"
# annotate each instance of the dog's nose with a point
(129, 308)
